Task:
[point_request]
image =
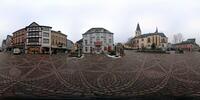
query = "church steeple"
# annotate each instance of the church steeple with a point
(138, 30)
(156, 30)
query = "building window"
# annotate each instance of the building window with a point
(105, 48)
(97, 34)
(142, 39)
(105, 40)
(110, 41)
(149, 40)
(85, 42)
(45, 29)
(33, 28)
(45, 34)
(90, 40)
(46, 41)
(33, 40)
(98, 38)
(86, 49)
(33, 34)
(91, 50)
(137, 41)
(163, 40)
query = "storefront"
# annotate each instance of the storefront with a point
(45, 50)
(33, 50)
(58, 50)
(98, 48)
(21, 48)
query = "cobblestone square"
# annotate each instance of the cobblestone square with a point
(136, 74)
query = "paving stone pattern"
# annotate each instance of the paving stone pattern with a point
(136, 74)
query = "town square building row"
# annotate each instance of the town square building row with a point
(36, 38)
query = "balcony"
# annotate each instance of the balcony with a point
(29, 35)
(34, 29)
(33, 43)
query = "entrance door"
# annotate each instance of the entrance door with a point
(98, 49)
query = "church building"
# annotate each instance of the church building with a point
(158, 39)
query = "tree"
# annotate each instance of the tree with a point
(129, 42)
(177, 38)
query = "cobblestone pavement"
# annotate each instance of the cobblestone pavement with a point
(135, 74)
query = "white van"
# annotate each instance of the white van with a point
(16, 51)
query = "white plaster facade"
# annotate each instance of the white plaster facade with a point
(97, 40)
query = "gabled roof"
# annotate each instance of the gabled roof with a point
(97, 30)
(34, 24)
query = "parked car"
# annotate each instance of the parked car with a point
(16, 51)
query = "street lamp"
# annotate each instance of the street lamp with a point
(79, 51)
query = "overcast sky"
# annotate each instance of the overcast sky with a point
(74, 17)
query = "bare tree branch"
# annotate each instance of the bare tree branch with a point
(177, 38)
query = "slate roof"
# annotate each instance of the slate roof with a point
(59, 32)
(70, 41)
(19, 30)
(97, 30)
(80, 41)
(188, 41)
(150, 34)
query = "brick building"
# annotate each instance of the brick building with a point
(188, 45)
(19, 39)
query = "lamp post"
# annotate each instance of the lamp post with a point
(79, 53)
(50, 52)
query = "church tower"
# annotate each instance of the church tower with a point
(138, 30)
